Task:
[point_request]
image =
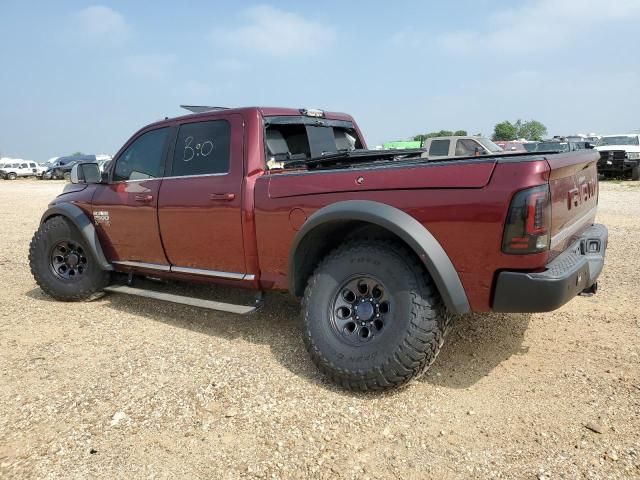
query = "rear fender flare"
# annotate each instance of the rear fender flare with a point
(403, 225)
(82, 222)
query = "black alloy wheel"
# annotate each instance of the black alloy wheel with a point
(68, 260)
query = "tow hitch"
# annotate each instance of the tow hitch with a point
(587, 292)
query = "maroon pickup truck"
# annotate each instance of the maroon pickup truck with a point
(383, 247)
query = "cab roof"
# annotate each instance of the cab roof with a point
(262, 111)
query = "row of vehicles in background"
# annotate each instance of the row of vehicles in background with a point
(57, 168)
(619, 154)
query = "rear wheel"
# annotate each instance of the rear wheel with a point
(67, 176)
(11, 176)
(61, 263)
(372, 316)
(635, 173)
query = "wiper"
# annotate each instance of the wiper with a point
(357, 156)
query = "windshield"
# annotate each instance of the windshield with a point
(618, 140)
(489, 145)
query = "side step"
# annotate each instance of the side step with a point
(184, 300)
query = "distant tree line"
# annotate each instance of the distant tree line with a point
(442, 133)
(506, 131)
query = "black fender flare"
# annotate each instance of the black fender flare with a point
(75, 215)
(412, 232)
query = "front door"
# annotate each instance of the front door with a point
(200, 206)
(126, 210)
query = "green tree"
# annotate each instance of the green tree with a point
(505, 131)
(532, 130)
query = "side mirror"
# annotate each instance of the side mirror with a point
(86, 173)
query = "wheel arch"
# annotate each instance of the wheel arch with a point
(80, 219)
(310, 245)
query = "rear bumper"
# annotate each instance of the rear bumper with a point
(571, 272)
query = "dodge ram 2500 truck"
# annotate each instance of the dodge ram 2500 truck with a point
(383, 247)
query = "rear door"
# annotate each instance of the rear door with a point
(126, 210)
(200, 206)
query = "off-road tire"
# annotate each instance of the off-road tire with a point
(87, 286)
(635, 173)
(416, 329)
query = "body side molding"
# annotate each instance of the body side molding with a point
(83, 223)
(412, 232)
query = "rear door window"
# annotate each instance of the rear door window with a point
(143, 159)
(202, 148)
(439, 148)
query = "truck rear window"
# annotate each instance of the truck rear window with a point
(292, 140)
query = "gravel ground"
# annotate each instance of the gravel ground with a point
(125, 387)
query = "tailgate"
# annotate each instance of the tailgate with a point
(573, 181)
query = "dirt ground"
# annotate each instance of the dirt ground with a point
(124, 387)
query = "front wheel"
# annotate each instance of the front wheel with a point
(635, 173)
(372, 317)
(61, 263)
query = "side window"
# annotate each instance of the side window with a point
(143, 158)
(202, 148)
(466, 147)
(23, 165)
(32, 165)
(439, 148)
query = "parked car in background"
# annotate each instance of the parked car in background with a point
(61, 168)
(619, 155)
(28, 168)
(557, 145)
(512, 146)
(458, 146)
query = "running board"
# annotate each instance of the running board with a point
(192, 301)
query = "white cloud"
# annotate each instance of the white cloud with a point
(278, 33)
(150, 66)
(541, 25)
(103, 23)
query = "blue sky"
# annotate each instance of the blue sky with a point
(84, 76)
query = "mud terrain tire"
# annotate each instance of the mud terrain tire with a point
(384, 347)
(58, 249)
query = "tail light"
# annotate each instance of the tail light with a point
(529, 221)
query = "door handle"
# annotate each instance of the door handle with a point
(143, 198)
(222, 196)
